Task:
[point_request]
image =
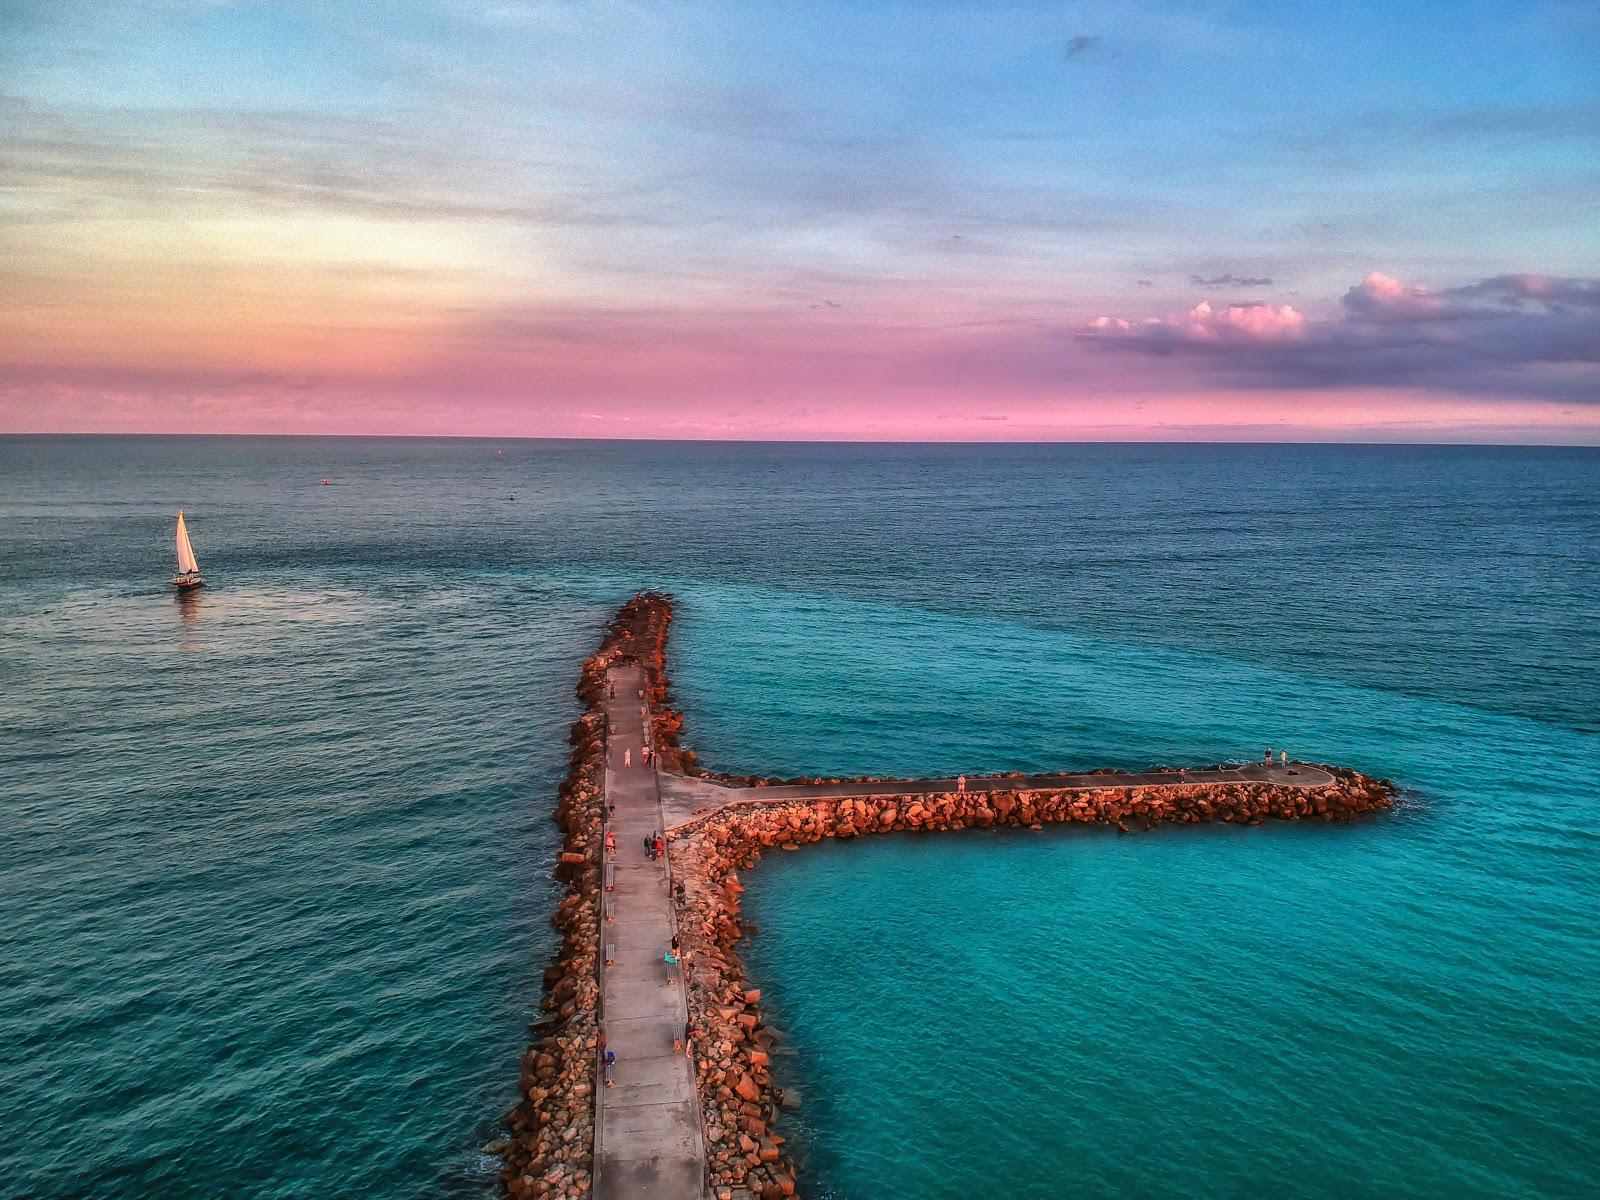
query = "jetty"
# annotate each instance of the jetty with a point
(651, 1078)
(647, 1118)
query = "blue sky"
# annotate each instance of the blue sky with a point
(767, 212)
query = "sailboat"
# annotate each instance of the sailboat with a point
(188, 575)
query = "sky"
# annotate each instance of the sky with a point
(937, 221)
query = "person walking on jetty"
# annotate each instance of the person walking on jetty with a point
(961, 783)
(627, 758)
(611, 842)
(1283, 757)
(1267, 757)
(661, 846)
(611, 1063)
(650, 846)
(671, 960)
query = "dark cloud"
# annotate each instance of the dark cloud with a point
(1143, 283)
(1537, 333)
(1229, 281)
(1079, 45)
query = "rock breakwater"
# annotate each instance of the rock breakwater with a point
(550, 1150)
(731, 1043)
(551, 1147)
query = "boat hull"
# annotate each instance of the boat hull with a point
(187, 583)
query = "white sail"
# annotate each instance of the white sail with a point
(186, 560)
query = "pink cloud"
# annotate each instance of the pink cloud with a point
(1205, 323)
(1509, 334)
(1382, 297)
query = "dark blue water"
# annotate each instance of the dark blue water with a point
(275, 861)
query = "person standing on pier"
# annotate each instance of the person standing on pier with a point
(627, 758)
(661, 846)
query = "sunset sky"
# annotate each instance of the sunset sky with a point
(941, 221)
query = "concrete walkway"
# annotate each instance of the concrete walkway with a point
(683, 798)
(648, 1139)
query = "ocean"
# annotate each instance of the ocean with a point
(276, 864)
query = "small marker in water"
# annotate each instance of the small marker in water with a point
(324, 481)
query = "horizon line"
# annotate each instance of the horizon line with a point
(813, 441)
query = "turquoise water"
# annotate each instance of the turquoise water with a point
(276, 864)
(1406, 1007)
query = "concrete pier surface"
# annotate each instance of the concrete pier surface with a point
(647, 1120)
